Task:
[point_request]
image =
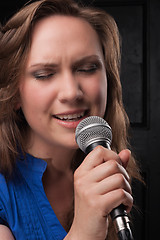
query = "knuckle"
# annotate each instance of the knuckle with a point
(131, 200)
(86, 193)
(92, 202)
(77, 181)
(99, 149)
(129, 204)
(88, 198)
(79, 189)
(121, 179)
(78, 184)
(114, 165)
(122, 193)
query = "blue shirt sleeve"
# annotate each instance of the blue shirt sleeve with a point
(24, 207)
(3, 201)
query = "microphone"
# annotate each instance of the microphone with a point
(91, 132)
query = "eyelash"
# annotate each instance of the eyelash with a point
(90, 69)
(43, 76)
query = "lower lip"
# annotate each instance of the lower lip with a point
(70, 124)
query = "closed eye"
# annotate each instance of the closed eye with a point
(43, 76)
(88, 69)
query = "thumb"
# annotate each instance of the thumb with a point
(125, 156)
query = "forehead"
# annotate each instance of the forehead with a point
(65, 23)
(62, 33)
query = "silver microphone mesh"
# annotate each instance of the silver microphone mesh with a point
(92, 129)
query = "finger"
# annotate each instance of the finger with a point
(98, 156)
(116, 198)
(107, 169)
(125, 156)
(116, 181)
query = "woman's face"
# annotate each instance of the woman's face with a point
(64, 80)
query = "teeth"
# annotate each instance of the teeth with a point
(70, 116)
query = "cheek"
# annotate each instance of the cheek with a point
(29, 100)
(96, 92)
(36, 95)
(104, 93)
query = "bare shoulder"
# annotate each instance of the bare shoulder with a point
(5, 233)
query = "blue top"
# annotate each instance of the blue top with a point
(24, 207)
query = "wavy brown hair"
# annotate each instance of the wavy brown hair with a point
(15, 42)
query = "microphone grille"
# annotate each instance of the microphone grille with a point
(92, 129)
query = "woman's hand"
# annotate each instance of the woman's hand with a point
(5, 233)
(101, 183)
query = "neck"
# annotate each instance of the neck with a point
(58, 158)
(61, 160)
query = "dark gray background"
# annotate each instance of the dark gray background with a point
(138, 22)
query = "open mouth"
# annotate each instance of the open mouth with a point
(71, 117)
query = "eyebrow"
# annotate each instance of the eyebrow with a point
(77, 62)
(88, 59)
(43, 64)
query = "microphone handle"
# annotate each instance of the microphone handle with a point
(118, 215)
(121, 223)
(125, 234)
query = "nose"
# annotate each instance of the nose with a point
(70, 89)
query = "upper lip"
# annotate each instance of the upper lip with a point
(70, 112)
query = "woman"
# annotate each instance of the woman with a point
(60, 64)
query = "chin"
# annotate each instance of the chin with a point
(73, 146)
(69, 144)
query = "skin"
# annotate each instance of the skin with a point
(67, 52)
(101, 184)
(5, 233)
(65, 75)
